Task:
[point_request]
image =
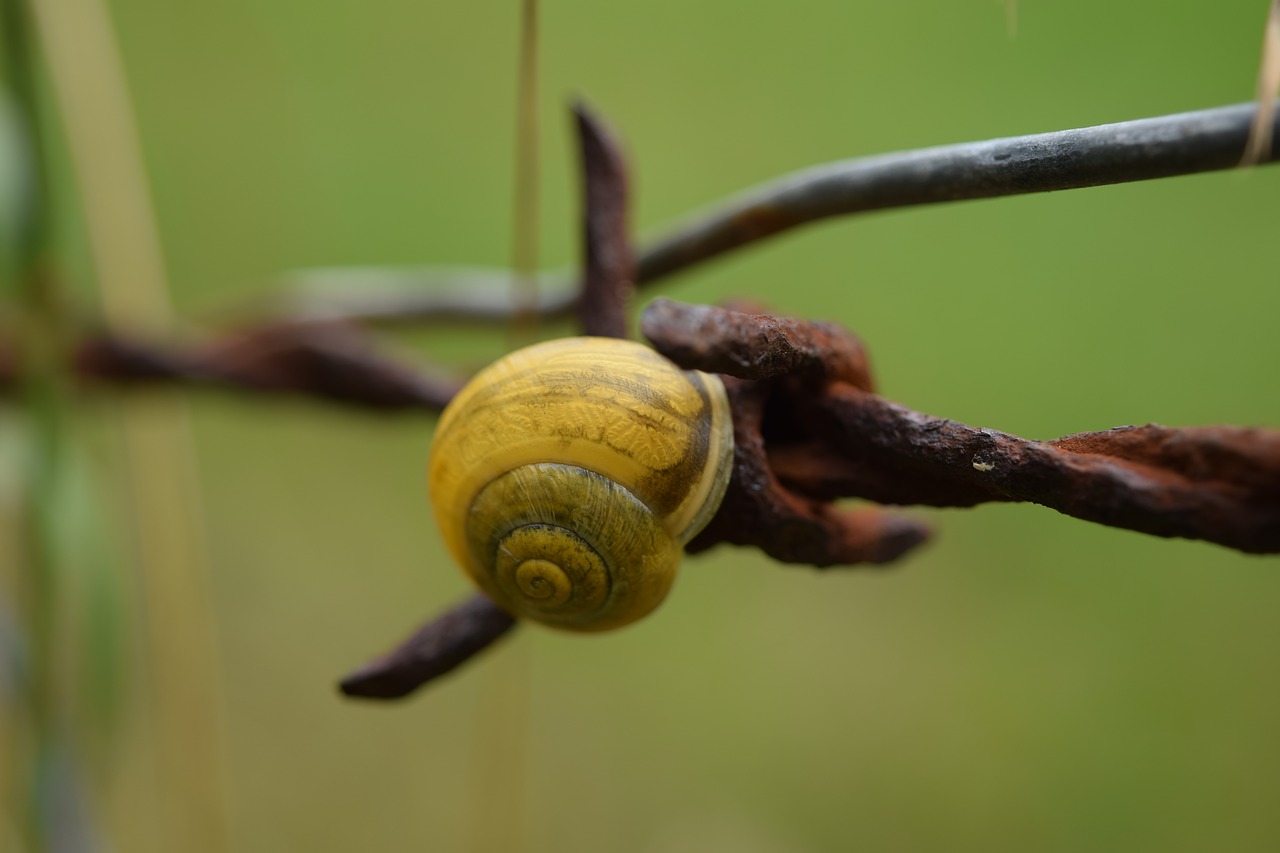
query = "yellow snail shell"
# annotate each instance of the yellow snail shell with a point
(567, 477)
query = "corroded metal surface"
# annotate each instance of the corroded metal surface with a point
(809, 428)
(608, 266)
(329, 361)
(834, 439)
(755, 345)
(435, 649)
(791, 524)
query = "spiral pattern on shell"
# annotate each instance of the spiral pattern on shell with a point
(567, 477)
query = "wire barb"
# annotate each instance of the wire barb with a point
(437, 648)
(608, 265)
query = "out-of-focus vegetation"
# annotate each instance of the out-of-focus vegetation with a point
(1027, 682)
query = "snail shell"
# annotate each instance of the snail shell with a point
(567, 477)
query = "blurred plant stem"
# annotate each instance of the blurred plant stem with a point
(502, 726)
(182, 730)
(498, 772)
(524, 241)
(42, 335)
(1260, 133)
(1011, 17)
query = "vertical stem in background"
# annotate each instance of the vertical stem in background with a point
(498, 815)
(525, 223)
(501, 732)
(186, 735)
(1259, 145)
(44, 397)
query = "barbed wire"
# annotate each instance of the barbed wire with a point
(809, 429)
(1123, 152)
(809, 426)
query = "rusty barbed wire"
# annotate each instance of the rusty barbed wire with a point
(809, 425)
(809, 429)
(830, 436)
(1128, 151)
(334, 362)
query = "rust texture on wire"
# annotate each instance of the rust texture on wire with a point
(608, 265)
(809, 429)
(437, 648)
(818, 437)
(327, 361)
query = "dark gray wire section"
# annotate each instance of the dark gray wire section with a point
(1140, 150)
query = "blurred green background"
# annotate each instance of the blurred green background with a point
(1028, 681)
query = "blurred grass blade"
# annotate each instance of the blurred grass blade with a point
(64, 804)
(1011, 17)
(1259, 144)
(525, 225)
(42, 580)
(95, 602)
(16, 170)
(187, 737)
